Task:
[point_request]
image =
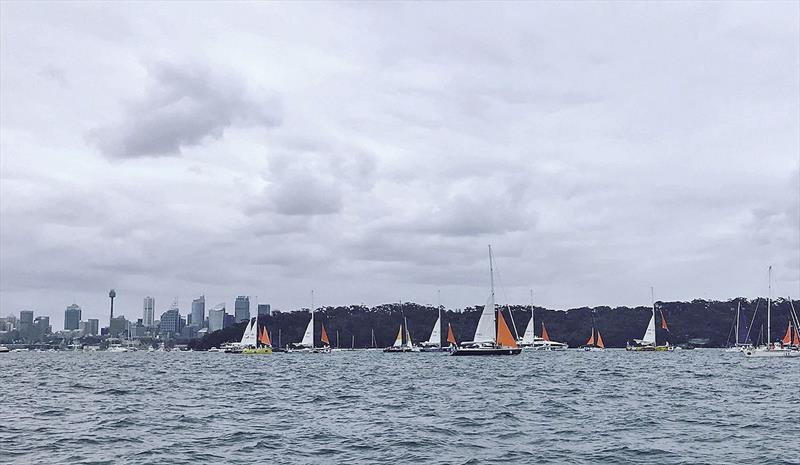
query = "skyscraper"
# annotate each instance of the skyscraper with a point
(72, 317)
(41, 327)
(171, 322)
(241, 309)
(25, 325)
(264, 309)
(93, 326)
(199, 311)
(148, 312)
(216, 318)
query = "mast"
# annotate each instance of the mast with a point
(491, 285)
(372, 330)
(738, 306)
(439, 305)
(312, 318)
(769, 305)
(653, 299)
(531, 324)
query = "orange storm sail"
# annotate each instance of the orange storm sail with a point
(451, 338)
(324, 336)
(545, 336)
(590, 342)
(796, 337)
(504, 337)
(663, 321)
(600, 341)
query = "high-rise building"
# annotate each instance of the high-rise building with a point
(241, 309)
(216, 318)
(199, 311)
(41, 327)
(230, 320)
(118, 327)
(170, 322)
(72, 317)
(264, 309)
(25, 325)
(148, 312)
(93, 326)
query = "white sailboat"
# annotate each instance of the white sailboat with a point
(402, 344)
(530, 341)
(741, 334)
(306, 345)
(648, 342)
(492, 336)
(434, 342)
(772, 348)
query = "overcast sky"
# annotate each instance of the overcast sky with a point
(372, 151)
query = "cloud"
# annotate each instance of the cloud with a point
(184, 106)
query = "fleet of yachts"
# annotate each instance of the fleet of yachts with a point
(494, 337)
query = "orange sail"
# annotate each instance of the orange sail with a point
(324, 337)
(263, 337)
(590, 342)
(451, 338)
(545, 336)
(504, 337)
(796, 337)
(789, 333)
(600, 341)
(663, 321)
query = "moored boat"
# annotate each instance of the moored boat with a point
(785, 347)
(648, 342)
(492, 336)
(402, 345)
(306, 345)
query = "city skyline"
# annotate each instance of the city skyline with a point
(371, 152)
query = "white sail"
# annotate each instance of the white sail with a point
(308, 336)
(436, 334)
(650, 334)
(246, 333)
(399, 341)
(408, 336)
(249, 336)
(485, 331)
(527, 338)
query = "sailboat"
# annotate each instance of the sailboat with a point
(451, 338)
(648, 342)
(595, 342)
(259, 341)
(306, 345)
(530, 341)
(741, 333)
(434, 342)
(492, 336)
(776, 349)
(402, 344)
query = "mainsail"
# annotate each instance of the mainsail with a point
(741, 327)
(399, 341)
(308, 336)
(650, 335)
(436, 334)
(527, 338)
(600, 341)
(408, 334)
(485, 330)
(249, 335)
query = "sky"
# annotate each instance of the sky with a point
(372, 151)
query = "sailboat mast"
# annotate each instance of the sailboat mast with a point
(312, 318)
(491, 286)
(439, 306)
(532, 322)
(738, 308)
(653, 300)
(769, 304)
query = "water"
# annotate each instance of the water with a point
(701, 406)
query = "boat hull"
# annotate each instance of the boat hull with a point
(260, 350)
(650, 348)
(468, 352)
(398, 350)
(761, 353)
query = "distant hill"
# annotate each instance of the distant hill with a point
(708, 322)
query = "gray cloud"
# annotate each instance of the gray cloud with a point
(184, 106)
(405, 138)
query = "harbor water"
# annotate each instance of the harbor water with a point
(700, 406)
